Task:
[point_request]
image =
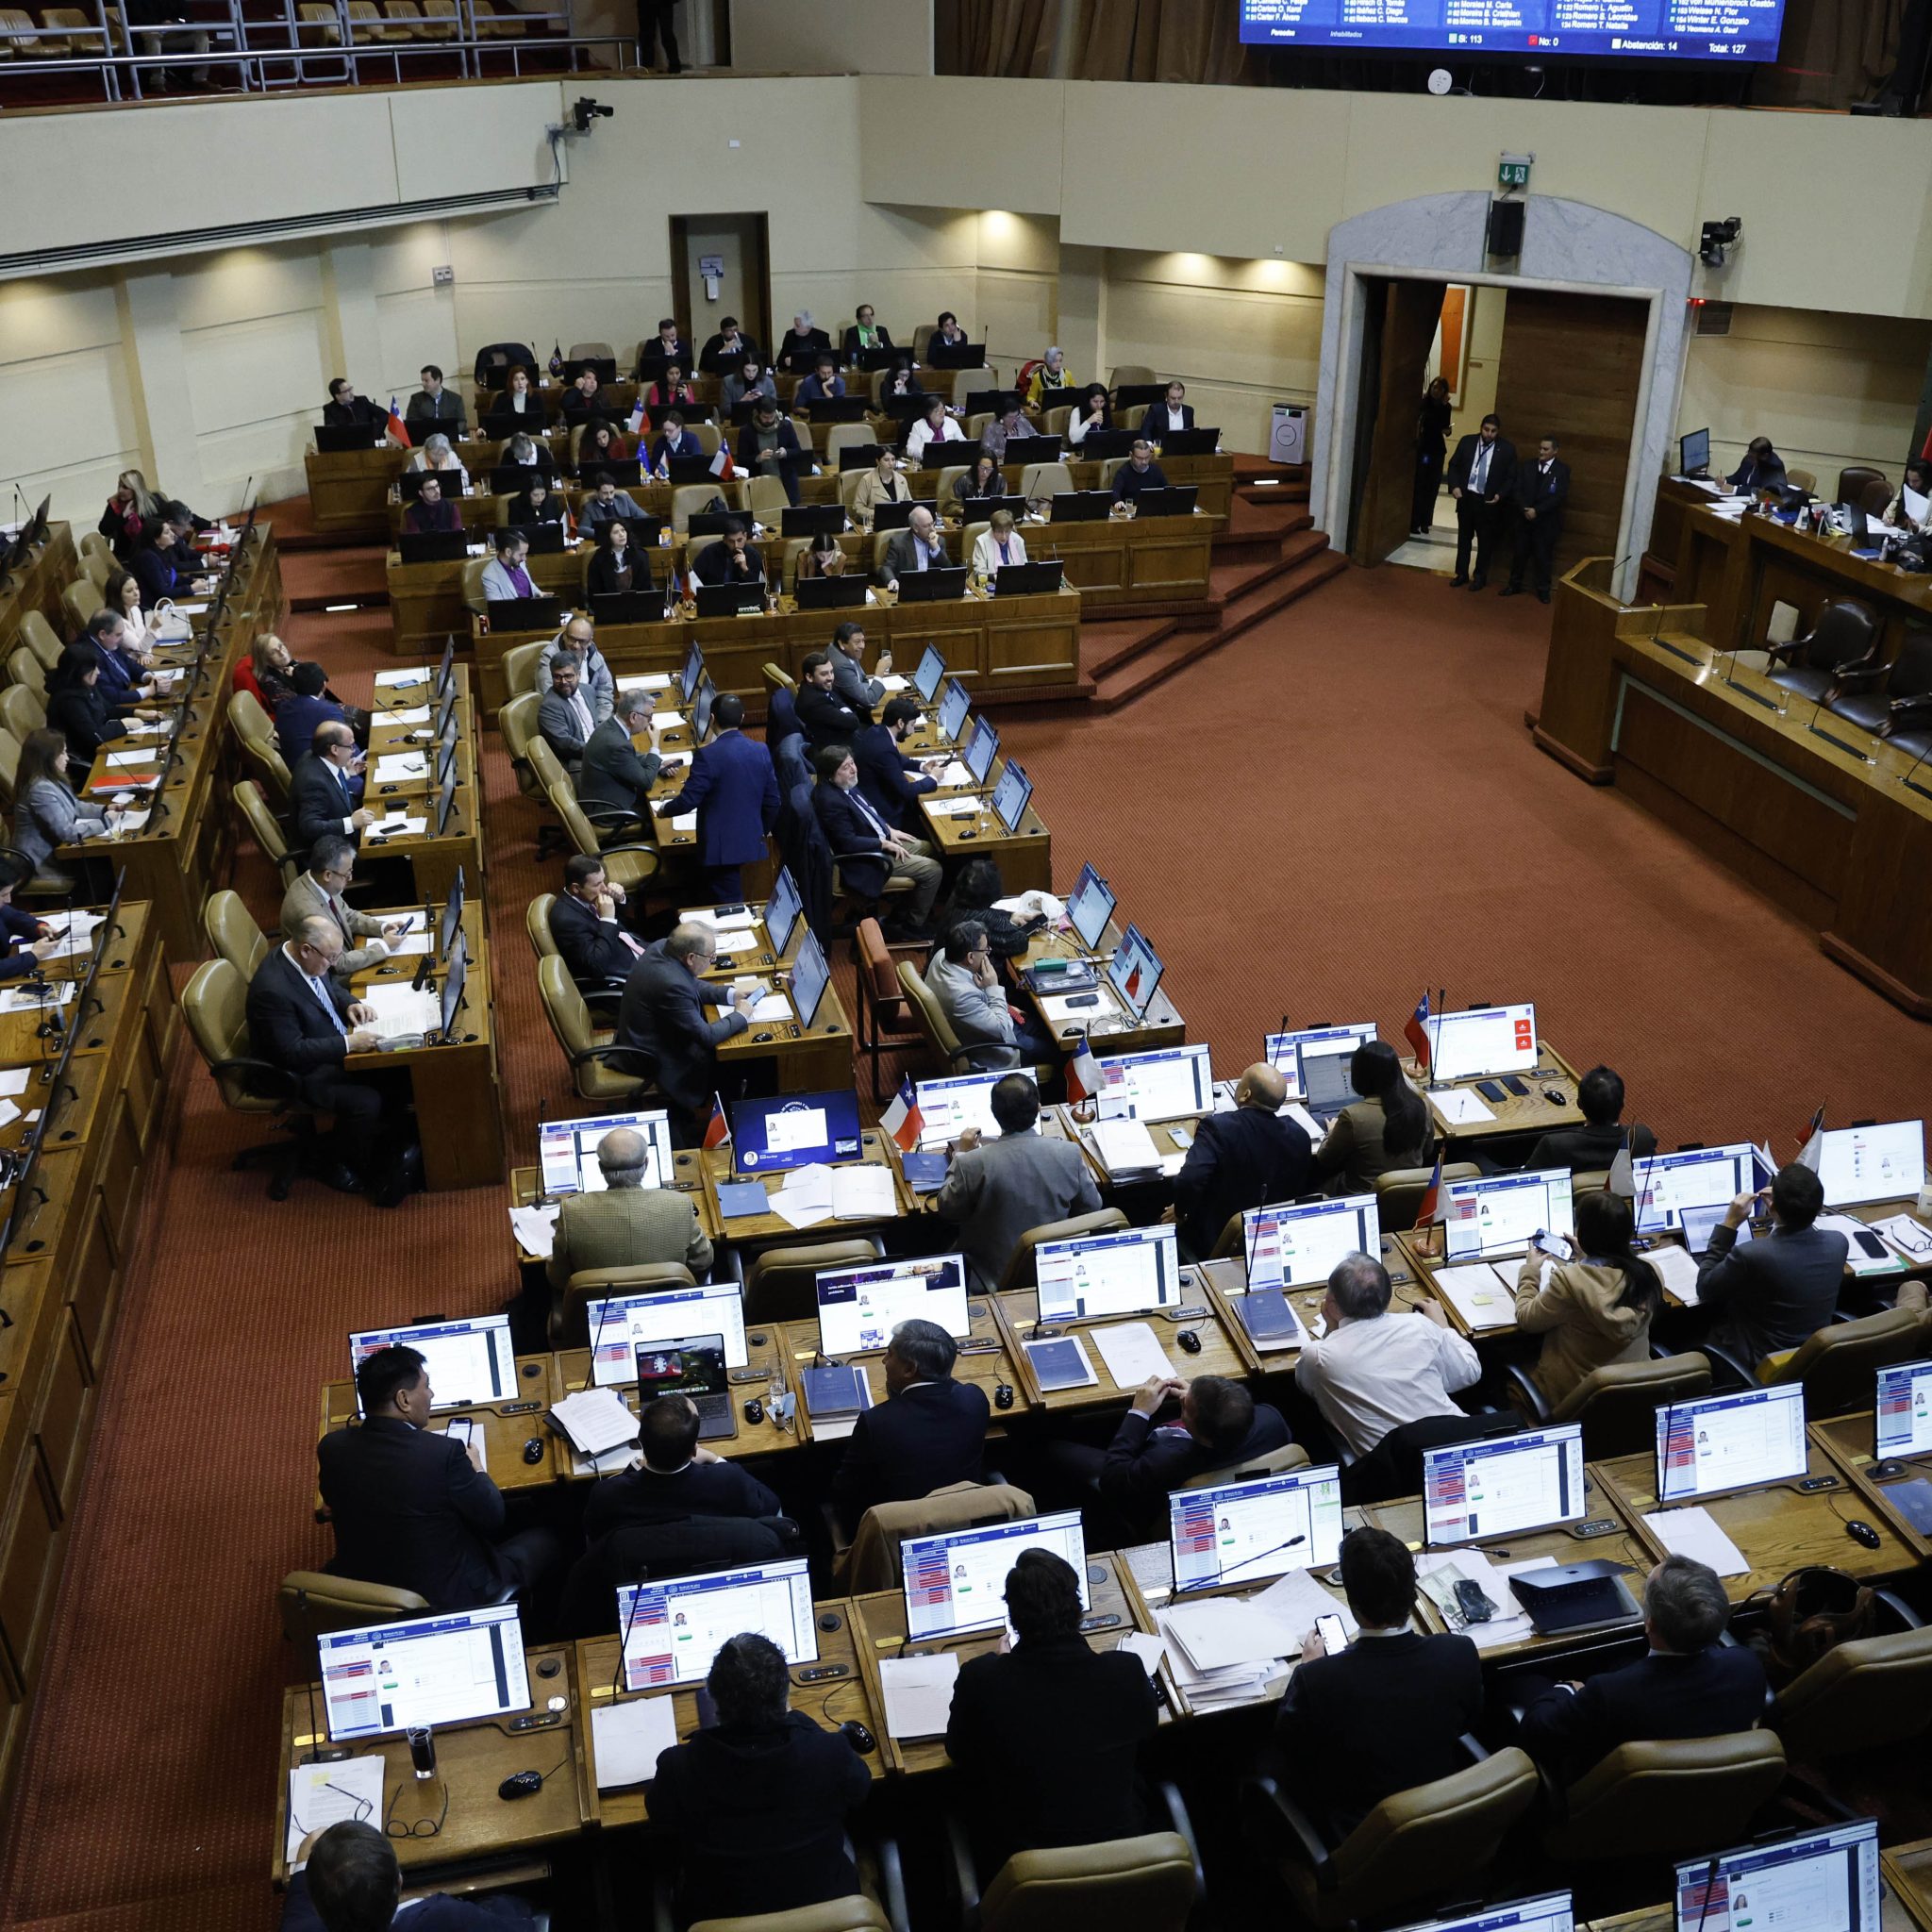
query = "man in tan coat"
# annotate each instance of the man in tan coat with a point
(629, 1223)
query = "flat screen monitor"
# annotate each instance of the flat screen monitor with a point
(1505, 1486)
(1694, 453)
(958, 1581)
(455, 972)
(948, 1107)
(1129, 1271)
(1886, 1163)
(810, 973)
(567, 1151)
(689, 674)
(858, 1308)
(781, 911)
(1279, 1048)
(1548, 1912)
(1297, 1243)
(926, 676)
(1134, 972)
(468, 1361)
(1483, 1042)
(445, 668)
(452, 914)
(1247, 1532)
(1090, 907)
(691, 1365)
(951, 718)
(1826, 1880)
(795, 1129)
(453, 1669)
(1736, 1442)
(1667, 1184)
(1904, 1410)
(672, 1629)
(620, 1323)
(1497, 1214)
(982, 747)
(1011, 796)
(1733, 32)
(1167, 1084)
(701, 710)
(1321, 1077)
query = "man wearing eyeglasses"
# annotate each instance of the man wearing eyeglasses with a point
(318, 894)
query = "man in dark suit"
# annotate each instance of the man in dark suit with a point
(441, 408)
(870, 852)
(768, 446)
(888, 781)
(918, 547)
(584, 926)
(803, 343)
(352, 1881)
(1690, 1685)
(1243, 1159)
(824, 715)
(615, 780)
(1591, 1148)
(734, 790)
(303, 709)
(1139, 472)
(667, 346)
(581, 401)
(729, 340)
(413, 1509)
(1542, 488)
(756, 1803)
(345, 409)
(662, 1015)
(730, 560)
(864, 333)
(1218, 1425)
(564, 718)
(1778, 1291)
(1173, 412)
(1046, 1734)
(1480, 476)
(1384, 1715)
(679, 1478)
(325, 788)
(928, 1433)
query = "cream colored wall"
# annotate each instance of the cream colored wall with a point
(1018, 287)
(1477, 396)
(831, 36)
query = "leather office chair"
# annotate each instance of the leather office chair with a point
(1395, 1466)
(520, 669)
(970, 534)
(1838, 1364)
(517, 720)
(1399, 1192)
(933, 1025)
(591, 352)
(1020, 1269)
(854, 1914)
(1289, 1455)
(781, 1284)
(1657, 1800)
(1874, 697)
(265, 760)
(1855, 479)
(884, 1021)
(22, 711)
(967, 382)
(1805, 480)
(1045, 479)
(1151, 1883)
(263, 828)
(944, 486)
(779, 679)
(847, 436)
(685, 498)
(871, 1561)
(99, 555)
(537, 925)
(81, 600)
(569, 1325)
(1617, 1404)
(214, 1003)
(1431, 1843)
(1846, 633)
(1132, 375)
(1058, 420)
(9, 779)
(37, 634)
(764, 496)
(473, 599)
(248, 719)
(546, 766)
(977, 425)
(232, 933)
(630, 864)
(788, 753)
(711, 438)
(23, 668)
(313, 1602)
(599, 1068)
(922, 334)
(1862, 1695)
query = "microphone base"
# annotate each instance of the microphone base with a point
(1850, 751)
(328, 1753)
(1912, 785)
(1757, 698)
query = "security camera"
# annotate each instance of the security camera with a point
(1716, 237)
(586, 110)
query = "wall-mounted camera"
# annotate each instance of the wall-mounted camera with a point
(586, 110)
(1717, 237)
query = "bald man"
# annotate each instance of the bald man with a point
(1251, 1157)
(636, 1219)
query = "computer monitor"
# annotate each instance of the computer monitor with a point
(1164, 1085)
(690, 1365)
(781, 911)
(1128, 1271)
(810, 975)
(445, 668)
(1134, 972)
(1090, 907)
(1483, 1042)
(1694, 453)
(1279, 1048)
(1246, 1532)
(956, 1582)
(701, 710)
(452, 1669)
(673, 1630)
(1505, 1486)
(452, 914)
(455, 973)
(1297, 1243)
(858, 1308)
(1904, 1410)
(1665, 1183)
(982, 747)
(1322, 1078)
(931, 668)
(948, 1107)
(1547, 1912)
(1496, 1214)
(1011, 796)
(1826, 1880)
(951, 718)
(619, 1324)
(567, 1151)
(1885, 1162)
(794, 1130)
(1736, 1442)
(468, 1361)
(689, 671)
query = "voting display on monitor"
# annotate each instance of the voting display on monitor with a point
(925, 679)
(1129, 1271)
(1297, 1244)
(1163, 1085)
(1091, 906)
(1721, 1442)
(1483, 1042)
(1504, 1487)
(810, 975)
(448, 1670)
(794, 1130)
(781, 911)
(567, 1151)
(1321, 1076)
(1011, 795)
(1245, 1532)
(958, 1582)
(1498, 1214)
(1727, 30)
(1904, 1410)
(1134, 972)
(947, 1108)
(468, 1362)
(1694, 453)
(1550, 1912)
(858, 1308)
(1667, 1184)
(1878, 1164)
(952, 709)
(673, 1630)
(620, 1323)
(1279, 1049)
(1809, 1881)
(982, 747)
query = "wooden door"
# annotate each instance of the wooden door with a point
(1393, 378)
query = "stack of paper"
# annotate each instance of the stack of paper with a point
(1677, 1269)
(414, 714)
(1480, 1293)
(1132, 1353)
(815, 1192)
(629, 1737)
(955, 808)
(1226, 1650)
(1461, 1106)
(400, 769)
(1296, 1600)
(1696, 1533)
(348, 1791)
(666, 721)
(919, 1694)
(1123, 1146)
(536, 1229)
(398, 824)
(595, 1421)
(392, 680)
(743, 920)
(1912, 1237)
(1510, 1625)
(770, 1005)
(1058, 1007)
(954, 776)
(14, 1080)
(402, 1012)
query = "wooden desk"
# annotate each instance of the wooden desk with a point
(425, 600)
(829, 1703)
(1907, 1871)
(507, 1425)
(687, 1165)
(1133, 566)
(1079, 1130)
(1532, 1112)
(752, 1230)
(1110, 1027)
(1024, 856)
(808, 1062)
(38, 583)
(1846, 1441)
(880, 1622)
(1226, 1282)
(471, 1760)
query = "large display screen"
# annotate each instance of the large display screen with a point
(1624, 29)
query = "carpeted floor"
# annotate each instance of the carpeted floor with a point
(1339, 809)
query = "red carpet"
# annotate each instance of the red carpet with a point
(1332, 812)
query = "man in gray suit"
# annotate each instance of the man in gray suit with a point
(504, 579)
(863, 694)
(919, 546)
(615, 778)
(1776, 1293)
(994, 1192)
(629, 1223)
(564, 718)
(318, 894)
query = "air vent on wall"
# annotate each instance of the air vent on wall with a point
(1713, 318)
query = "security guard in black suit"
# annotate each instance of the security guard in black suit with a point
(1542, 488)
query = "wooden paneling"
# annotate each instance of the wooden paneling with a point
(1409, 314)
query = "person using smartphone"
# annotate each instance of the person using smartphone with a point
(1591, 1308)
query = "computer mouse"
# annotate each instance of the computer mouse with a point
(859, 1737)
(533, 1449)
(753, 1410)
(1555, 1097)
(964, 836)
(521, 1784)
(1189, 1341)
(760, 1037)
(1862, 1533)
(1003, 1395)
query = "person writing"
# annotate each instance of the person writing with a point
(1594, 1309)
(1899, 514)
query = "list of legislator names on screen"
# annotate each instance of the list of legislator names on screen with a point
(1640, 29)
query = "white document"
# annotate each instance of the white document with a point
(1696, 1532)
(596, 1420)
(416, 942)
(684, 821)
(395, 680)
(1058, 1007)
(1150, 1650)
(1912, 1237)
(1477, 1293)
(536, 1229)
(1677, 1268)
(1124, 1146)
(654, 680)
(1296, 1600)
(1313, 1128)
(1510, 1625)
(722, 923)
(666, 721)
(24, 1000)
(401, 1009)
(401, 825)
(919, 1694)
(1132, 1351)
(1857, 1259)
(863, 1192)
(955, 808)
(955, 775)
(400, 769)
(805, 1199)
(1462, 1106)
(1171, 1164)
(890, 682)
(79, 923)
(324, 1794)
(14, 1080)
(629, 1737)
(10, 1114)
(121, 760)
(141, 727)
(134, 820)
(1223, 1632)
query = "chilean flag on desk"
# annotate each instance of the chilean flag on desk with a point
(717, 1128)
(1811, 1143)
(1417, 1031)
(903, 1119)
(1083, 1073)
(1431, 1207)
(398, 433)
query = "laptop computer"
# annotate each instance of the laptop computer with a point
(433, 546)
(1027, 579)
(692, 1366)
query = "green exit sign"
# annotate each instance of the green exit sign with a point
(1512, 171)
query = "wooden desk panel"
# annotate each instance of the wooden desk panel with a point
(1529, 1113)
(1909, 1872)
(1025, 858)
(808, 1061)
(425, 600)
(1125, 565)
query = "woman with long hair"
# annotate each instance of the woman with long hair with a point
(268, 671)
(1387, 1129)
(1593, 1309)
(1431, 447)
(78, 708)
(46, 813)
(130, 505)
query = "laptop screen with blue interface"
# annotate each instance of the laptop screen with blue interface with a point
(1484, 1041)
(1882, 1162)
(958, 1581)
(1904, 1410)
(1134, 971)
(858, 1308)
(1245, 1532)
(674, 1629)
(619, 1322)
(982, 747)
(1811, 1881)
(1503, 1487)
(1298, 1244)
(925, 680)
(1547, 1912)
(1279, 1048)
(447, 1670)
(795, 1129)
(1321, 1074)
(1091, 907)
(948, 1107)
(1721, 1442)
(1012, 794)
(468, 1361)
(952, 709)
(567, 1151)
(1165, 1084)
(1497, 1214)
(1127, 1273)
(781, 911)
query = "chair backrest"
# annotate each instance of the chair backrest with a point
(249, 721)
(877, 970)
(1855, 479)
(1020, 1264)
(778, 679)
(232, 932)
(1132, 375)
(1617, 1404)
(873, 1560)
(1911, 670)
(764, 496)
(930, 1015)
(685, 498)
(519, 668)
(81, 600)
(1655, 1800)
(847, 436)
(267, 760)
(1842, 635)
(474, 598)
(781, 1284)
(1395, 1466)
(98, 564)
(1045, 479)
(944, 482)
(517, 720)
(96, 548)
(1293, 1456)
(37, 634)
(23, 668)
(545, 764)
(787, 753)
(215, 1004)
(10, 768)
(781, 709)
(20, 711)
(1861, 1695)
(711, 438)
(857, 1913)
(264, 828)
(569, 1024)
(1838, 1364)
(563, 801)
(568, 1326)
(313, 1600)
(1145, 1882)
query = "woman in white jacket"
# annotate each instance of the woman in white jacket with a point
(999, 545)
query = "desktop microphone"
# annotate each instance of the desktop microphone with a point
(623, 1640)
(333, 1753)
(1179, 1589)
(1908, 779)
(423, 968)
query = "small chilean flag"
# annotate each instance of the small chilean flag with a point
(717, 1128)
(1083, 1073)
(1811, 1143)
(722, 465)
(1417, 1031)
(1430, 1208)
(398, 433)
(903, 1119)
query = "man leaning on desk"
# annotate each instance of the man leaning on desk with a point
(663, 1017)
(928, 1433)
(626, 1225)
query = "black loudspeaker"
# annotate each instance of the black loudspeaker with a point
(1505, 228)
